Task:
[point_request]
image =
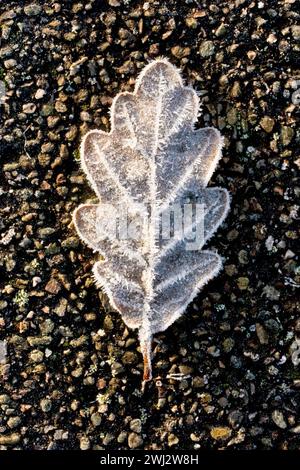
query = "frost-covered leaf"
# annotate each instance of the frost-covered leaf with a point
(150, 174)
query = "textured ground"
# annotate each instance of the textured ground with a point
(70, 370)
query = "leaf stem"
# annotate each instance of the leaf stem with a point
(146, 342)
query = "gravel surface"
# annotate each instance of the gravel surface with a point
(70, 370)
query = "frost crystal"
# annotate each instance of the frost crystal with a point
(150, 174)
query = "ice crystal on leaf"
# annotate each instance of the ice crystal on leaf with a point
(151, 160)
